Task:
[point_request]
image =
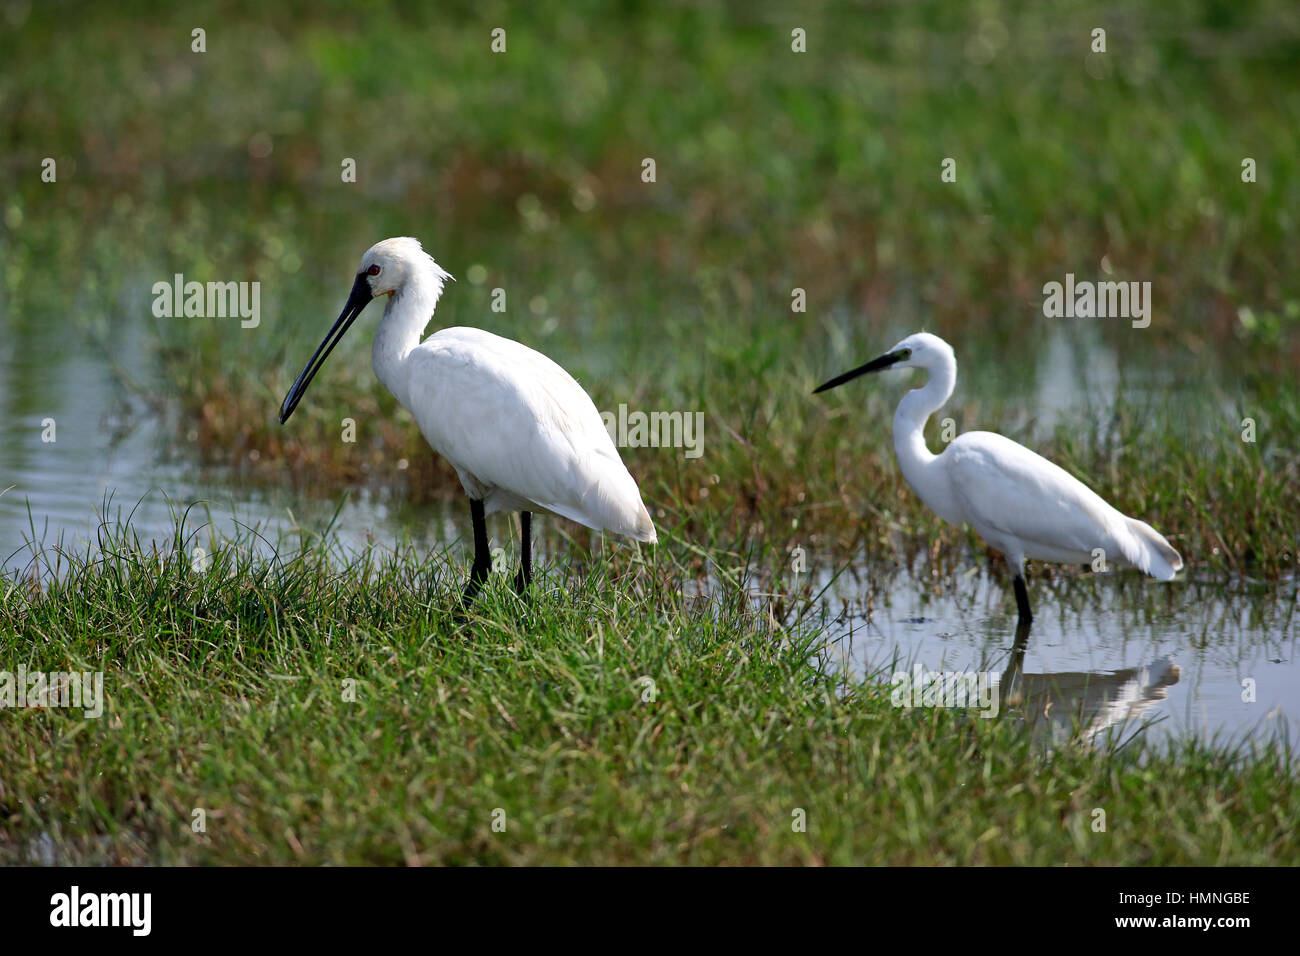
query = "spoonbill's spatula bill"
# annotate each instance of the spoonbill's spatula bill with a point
(520, 432)
(1018, 501)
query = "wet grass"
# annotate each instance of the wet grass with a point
(610, 719)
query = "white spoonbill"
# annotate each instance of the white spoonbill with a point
(1017, 500)
(520, 432)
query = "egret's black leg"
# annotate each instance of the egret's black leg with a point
(482, 554)
(525, 575)
(1022, 600)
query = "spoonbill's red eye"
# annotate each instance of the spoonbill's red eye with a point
(373, 271)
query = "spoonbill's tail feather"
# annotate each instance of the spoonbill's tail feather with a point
(634, 523)
(645, 528)
(1154, 554)
(613, 503)
(626, 511)
(613, 499)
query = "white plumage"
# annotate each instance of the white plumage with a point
(550, 449)
(1027, 507)
(520, 432)
(1018, 501)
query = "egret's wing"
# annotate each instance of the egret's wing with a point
(1008, 489)
(515, 420)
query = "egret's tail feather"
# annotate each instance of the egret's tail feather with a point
(1155, 556)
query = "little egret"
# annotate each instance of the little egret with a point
(520, 432)
(1018, 501)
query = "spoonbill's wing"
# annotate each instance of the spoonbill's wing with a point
(1012, 495)
(509, 418)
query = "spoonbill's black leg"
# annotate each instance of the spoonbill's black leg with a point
(1022, 600)
(525, 575)
(482, 554)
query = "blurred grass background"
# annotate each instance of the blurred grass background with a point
(775, 170)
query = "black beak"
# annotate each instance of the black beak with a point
(358, 300)
(875, 365)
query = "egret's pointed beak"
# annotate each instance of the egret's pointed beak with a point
(358, 300)
(875, 365)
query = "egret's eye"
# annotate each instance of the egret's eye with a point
(373, 271)
(904, 354)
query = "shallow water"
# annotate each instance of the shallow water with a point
(112, 457)
(1107, 656)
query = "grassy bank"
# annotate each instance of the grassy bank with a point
(230, 684)
(227, 692)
